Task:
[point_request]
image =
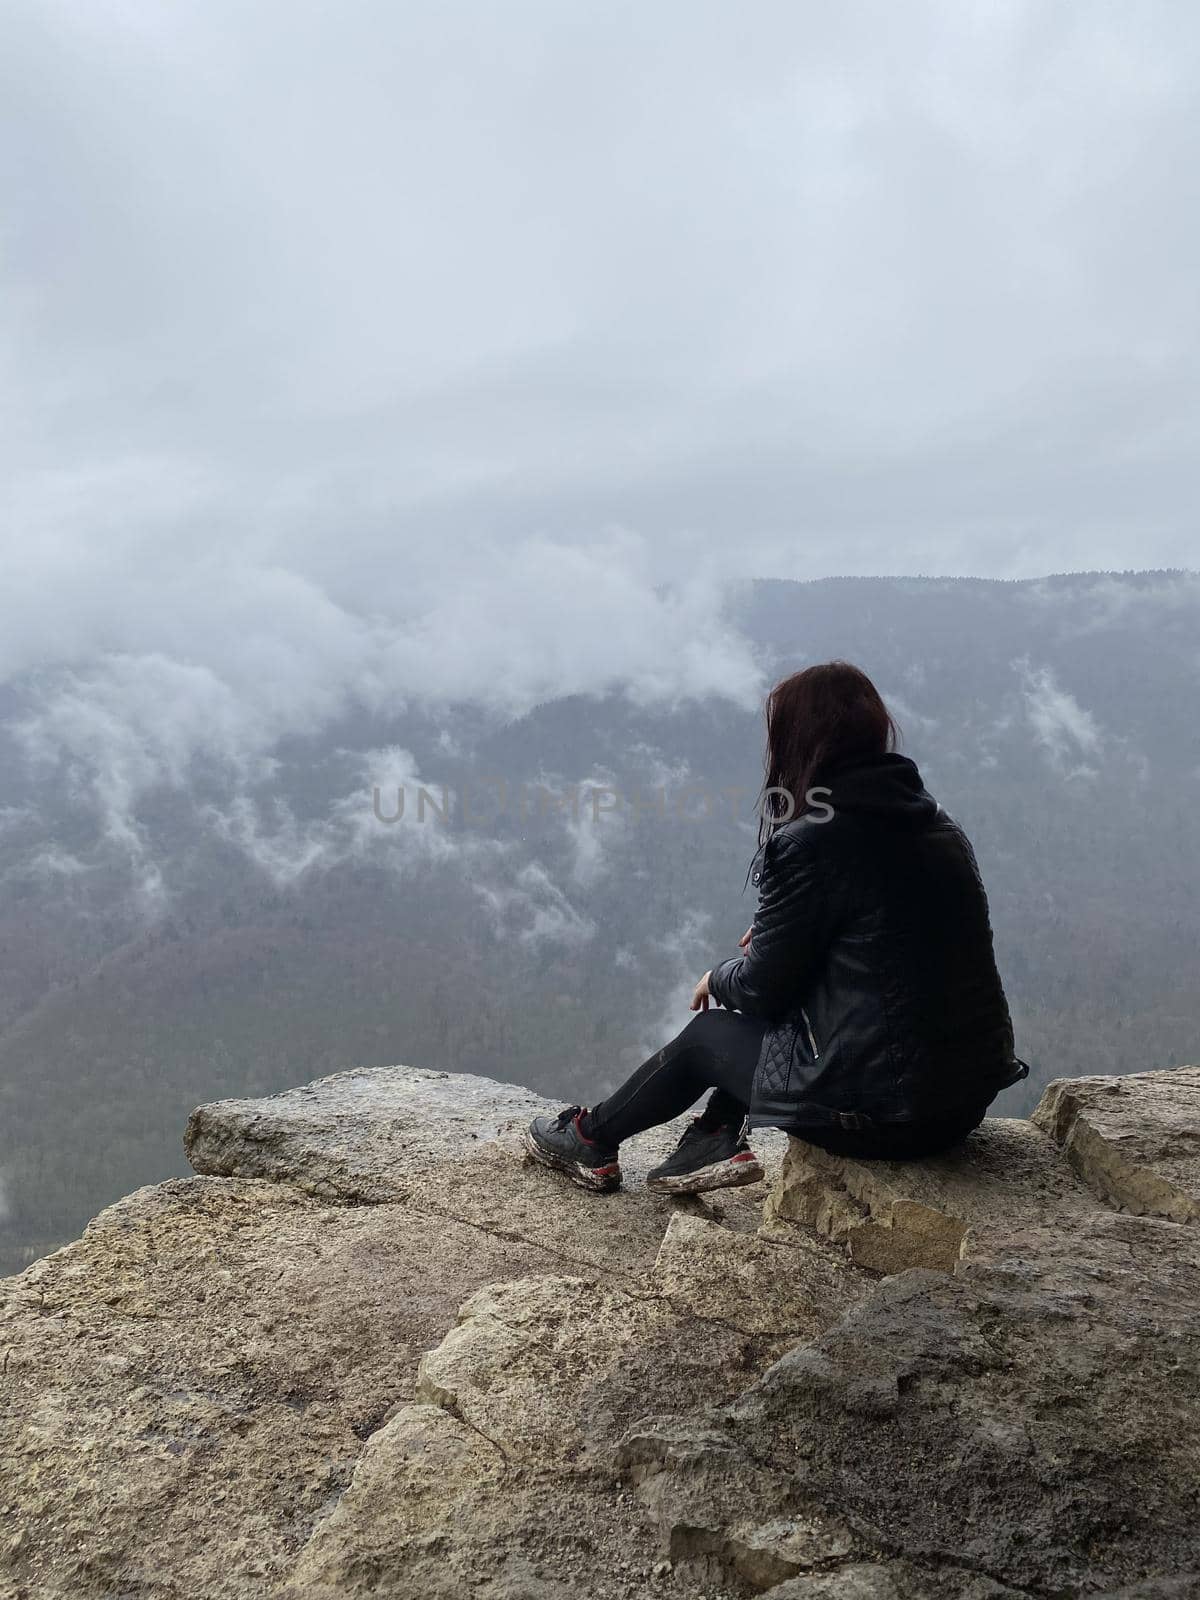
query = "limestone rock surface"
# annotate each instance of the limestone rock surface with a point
(448, 1143)
(1007, 1181)
(1135, 1141)
(369, 1351)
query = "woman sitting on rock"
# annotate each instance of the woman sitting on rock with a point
(865, 1014)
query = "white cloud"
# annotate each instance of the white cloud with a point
(378, 819)
(54, 862)
(844, 292)
(686, 944)
(522, 899)
(909, 720)
(1067, 732)
(223, 663)
(532, 908)
(853, 290)
(1103, 603)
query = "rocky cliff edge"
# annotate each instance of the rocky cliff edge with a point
(368, 1351)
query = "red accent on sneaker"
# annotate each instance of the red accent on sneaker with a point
(579, 1129)
(744, 1155)
(607, 1172)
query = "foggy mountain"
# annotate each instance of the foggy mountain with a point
(205, 896)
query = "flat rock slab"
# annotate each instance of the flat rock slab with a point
(368, 1136)
(1135, 1141)
(188, 1386)
(499, 1479)
(1130, 1143)
(1006, 1180)
(1041, 1432)
(189, 1389)
(450, 1143)
(787, 1289)
(375, 1354)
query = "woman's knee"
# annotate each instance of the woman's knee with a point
(715, 1024)
(703, 1025)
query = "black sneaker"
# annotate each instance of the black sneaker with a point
(706, 1158)
(557, 1142)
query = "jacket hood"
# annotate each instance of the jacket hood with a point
(888, 787)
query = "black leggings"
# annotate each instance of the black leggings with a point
(719, 1050)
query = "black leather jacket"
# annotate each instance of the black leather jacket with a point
(871, 959)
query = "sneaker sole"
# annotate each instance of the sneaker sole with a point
(594, 1180)
(722, 1175)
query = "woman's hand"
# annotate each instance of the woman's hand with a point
(701, 997)
(745, 939)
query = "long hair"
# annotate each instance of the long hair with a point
(818, 719)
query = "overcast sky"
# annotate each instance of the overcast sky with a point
(341, 336)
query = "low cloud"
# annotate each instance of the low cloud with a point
(532, 908)
(521, 898)
(686, 945)
(1064, 730)
(218, 671)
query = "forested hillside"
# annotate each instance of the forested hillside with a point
(234, 930)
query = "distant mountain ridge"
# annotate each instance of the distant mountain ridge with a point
(235, 929)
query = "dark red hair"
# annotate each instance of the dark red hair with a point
(818, 720)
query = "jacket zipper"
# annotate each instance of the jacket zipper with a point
(811, 1037)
